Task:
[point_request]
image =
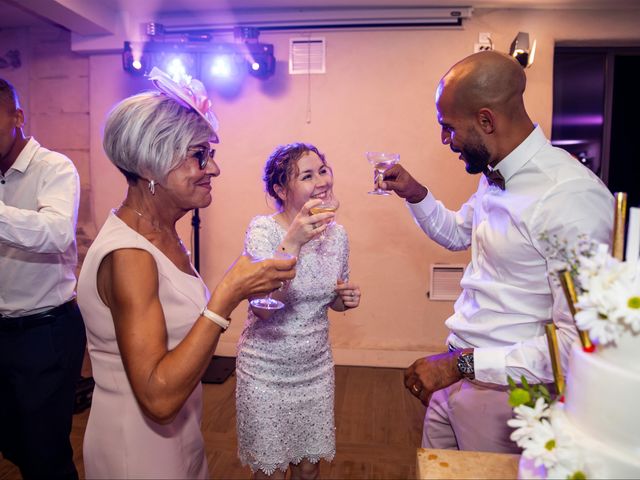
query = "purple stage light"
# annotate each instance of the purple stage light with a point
(579, 119)
(221, 67)
(176, 68)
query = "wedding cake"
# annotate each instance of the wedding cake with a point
(593, 431)
(601, 405)
(599, 422)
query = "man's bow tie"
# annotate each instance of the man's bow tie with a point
(494, 177)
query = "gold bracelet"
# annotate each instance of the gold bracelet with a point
(215, 318)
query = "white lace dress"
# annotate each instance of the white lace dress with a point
(285, 375)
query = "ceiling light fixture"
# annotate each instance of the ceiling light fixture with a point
(197, 55)
(520, 49)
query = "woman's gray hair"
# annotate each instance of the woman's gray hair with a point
(147, 135)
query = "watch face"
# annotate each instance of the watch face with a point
(465, 365)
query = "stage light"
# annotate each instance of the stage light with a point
(222, 66)
(520, 50)
(202, 59)
(224, 63)
(175, 63)
(132, 61)
(262, 62)
(176, 68)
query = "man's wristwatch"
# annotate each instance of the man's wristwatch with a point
(465, 365)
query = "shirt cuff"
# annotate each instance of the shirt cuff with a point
(423, 208)
(490, 364)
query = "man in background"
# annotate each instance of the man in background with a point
(42, 337)
(529, 189)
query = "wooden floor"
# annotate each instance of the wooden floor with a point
(378, 428)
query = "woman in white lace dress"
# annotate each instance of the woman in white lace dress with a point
(285, 372)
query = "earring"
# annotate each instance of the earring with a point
(152, 187)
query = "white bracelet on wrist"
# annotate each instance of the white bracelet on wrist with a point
(215, 318)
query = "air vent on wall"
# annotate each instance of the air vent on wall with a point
(307, 55)
(445, 281)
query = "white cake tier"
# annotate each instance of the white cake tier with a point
(601, 404)
(624, 353)
(598, 460)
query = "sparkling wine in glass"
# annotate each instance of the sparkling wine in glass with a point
(381, 162)
(265, 306)
(328, 205)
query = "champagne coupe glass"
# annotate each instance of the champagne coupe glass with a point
(329, 204)
(264, 307)
(381, 162)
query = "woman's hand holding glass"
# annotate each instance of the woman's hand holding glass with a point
(330, 204)
(248, 277)
(349, 293)
(306, 226)
(264, 307)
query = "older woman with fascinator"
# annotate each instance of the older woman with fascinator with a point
(152, 324)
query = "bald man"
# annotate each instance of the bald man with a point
(528, 189)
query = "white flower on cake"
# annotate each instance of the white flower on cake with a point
(526, 420)
(609, 297)
(569, 461)
(541, 446)
(540, 431)
(627, 311)
(608, 290)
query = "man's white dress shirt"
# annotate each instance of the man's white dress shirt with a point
(507, 291)
(38, 212)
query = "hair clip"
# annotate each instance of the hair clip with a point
(189, 92)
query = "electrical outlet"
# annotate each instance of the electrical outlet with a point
(481, 47)
(484, 37)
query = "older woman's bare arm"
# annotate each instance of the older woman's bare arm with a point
(163, 379)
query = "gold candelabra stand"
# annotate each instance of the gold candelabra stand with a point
(569, 289)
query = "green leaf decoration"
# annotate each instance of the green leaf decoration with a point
(527, 394)
(519, 396)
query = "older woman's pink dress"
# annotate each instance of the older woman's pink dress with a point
(120, 441)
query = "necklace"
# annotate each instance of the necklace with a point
(154, 223)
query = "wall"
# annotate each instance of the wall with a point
(377, 94)
(377, 100)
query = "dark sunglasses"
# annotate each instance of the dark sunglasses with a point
(202, 155)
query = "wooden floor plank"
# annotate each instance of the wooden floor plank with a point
(378, 429)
